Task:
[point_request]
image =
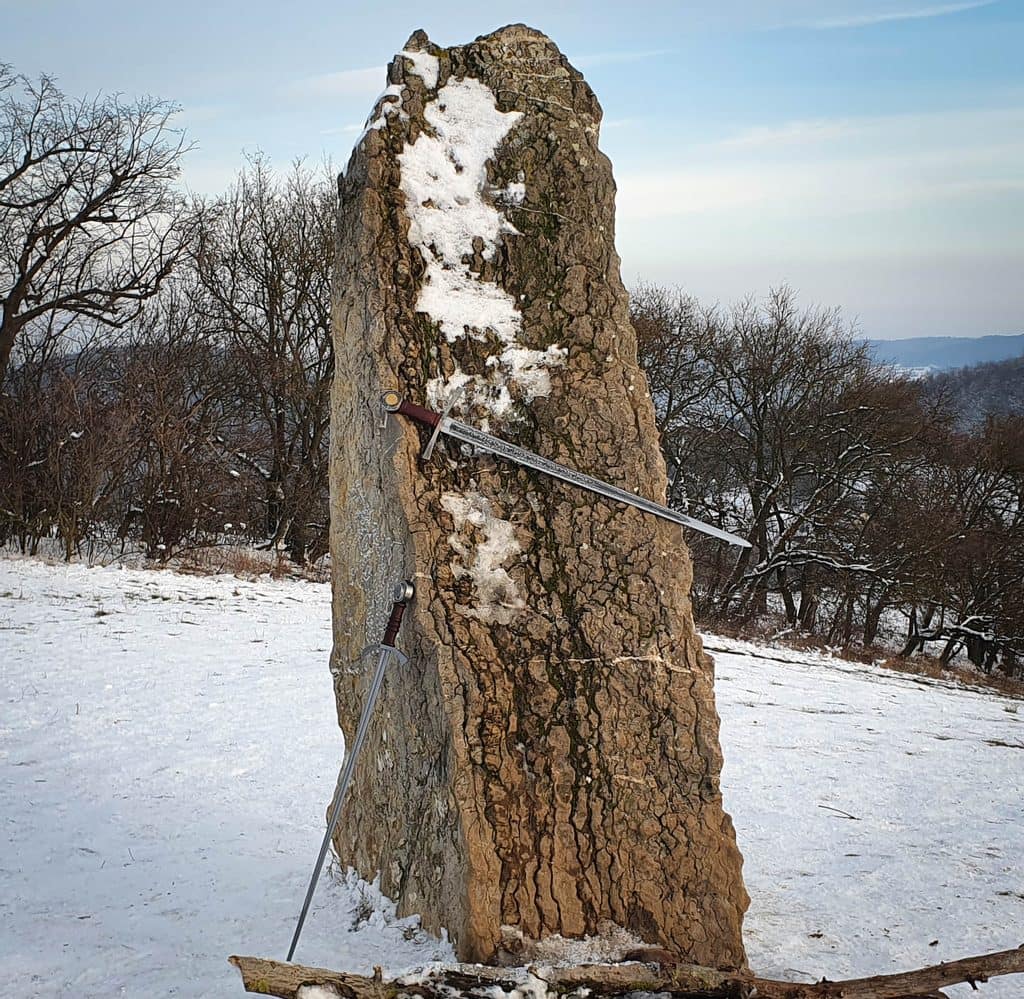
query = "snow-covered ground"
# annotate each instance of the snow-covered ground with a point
(167, 746)
(880, 815)
(168, 742)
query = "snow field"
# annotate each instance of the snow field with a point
(880, 815)
(168, 744)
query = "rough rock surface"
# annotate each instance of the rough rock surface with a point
(549, 758)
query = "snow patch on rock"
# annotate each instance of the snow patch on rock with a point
(609, 946)
(317, 992)
(483, 543)
(424, 65)
(388, 105)
(444, 179)
(514, 194)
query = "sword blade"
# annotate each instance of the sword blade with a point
(520, 456)
(344, 780)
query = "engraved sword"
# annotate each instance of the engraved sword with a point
(441, 423)
(403, 593)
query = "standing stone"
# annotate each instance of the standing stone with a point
(548, 760)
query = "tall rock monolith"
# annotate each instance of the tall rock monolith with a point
(548, 760)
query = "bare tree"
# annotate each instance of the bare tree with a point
(90, 223)
(775, 424)
(64, 448)
(208, 412)
(967, 520)
(263, 258)
(181, 491)
(855, 488)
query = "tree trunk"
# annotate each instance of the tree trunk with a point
(9, 329)
(851, 601)
(549, 758)
(951, 648)
(872, 618)
(975, 649)
(787, 598)
(808, 603)
(914, 639)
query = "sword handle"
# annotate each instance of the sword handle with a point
(394, 403)
(403, 594)
(419, 413)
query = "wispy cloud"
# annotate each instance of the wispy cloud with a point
(969, 127)
(343, 130)
(785, 193)
(346, 83)
(883, 17)
(839, 168)
(614, 58)
(791, 133)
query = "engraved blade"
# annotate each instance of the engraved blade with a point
(520, 456)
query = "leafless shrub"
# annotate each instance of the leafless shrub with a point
(263, 259)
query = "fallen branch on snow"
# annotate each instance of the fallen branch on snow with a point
(682, 981)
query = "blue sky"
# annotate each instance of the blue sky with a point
(868, 152)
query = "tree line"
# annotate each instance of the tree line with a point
(992, 388)
(860, 491)
(165, 367)
(166, 360)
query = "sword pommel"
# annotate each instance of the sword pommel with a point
(403, 594)
(392, 402)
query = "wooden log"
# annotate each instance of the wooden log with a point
(276, 978)
(682, 981)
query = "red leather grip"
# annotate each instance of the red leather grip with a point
(419, 413)
(394, 623)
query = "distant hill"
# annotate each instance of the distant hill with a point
(940, 353)
(993, 389)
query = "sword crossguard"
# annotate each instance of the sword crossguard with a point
(452, 400)
(378, 646)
